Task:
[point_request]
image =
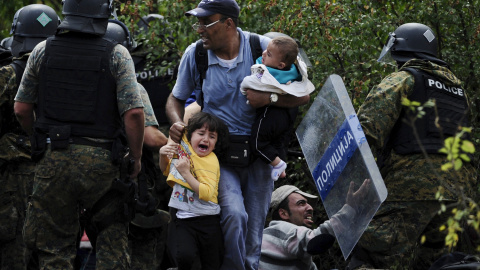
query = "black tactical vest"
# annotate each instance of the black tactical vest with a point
(77, 87)
(452, 107)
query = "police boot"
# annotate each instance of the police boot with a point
(157, 220)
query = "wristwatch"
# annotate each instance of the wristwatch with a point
(273, 98)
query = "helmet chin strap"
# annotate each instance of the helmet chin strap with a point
(18, 47)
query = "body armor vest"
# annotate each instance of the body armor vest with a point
(77, 87)
(452, 108)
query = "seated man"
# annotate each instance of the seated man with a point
(289, 242)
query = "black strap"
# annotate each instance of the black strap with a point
(201, 60)
(5, 57)
(87, 142)
(19, 67)
(255, 46)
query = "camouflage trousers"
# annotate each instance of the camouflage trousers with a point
(65, 180)
(16, 183)
(393, 238)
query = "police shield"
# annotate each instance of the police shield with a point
(337, 154)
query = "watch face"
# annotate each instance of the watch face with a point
(273, 97)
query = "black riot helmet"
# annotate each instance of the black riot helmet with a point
(86, 16)
(31, 25)
(144, 22)
(6, 43)
(118, 31)
(411, 40)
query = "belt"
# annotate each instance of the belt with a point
(83, 141)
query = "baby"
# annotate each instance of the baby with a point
(276, 72)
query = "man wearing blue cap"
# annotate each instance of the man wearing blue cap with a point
(245, 188)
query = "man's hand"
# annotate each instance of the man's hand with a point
(137, 166)
(257, 99)
(176, 131)
(355, 198)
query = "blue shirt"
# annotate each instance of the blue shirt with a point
(221, 88)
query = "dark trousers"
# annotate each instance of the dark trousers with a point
(202, 236)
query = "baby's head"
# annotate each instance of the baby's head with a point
(207, 133)
(281, 53)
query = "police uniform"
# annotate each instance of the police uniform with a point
(412, 181)
(17, 170)
(78, 174)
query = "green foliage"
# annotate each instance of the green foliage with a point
(466, 214)
(457, 150)
(467, 210)
(341, 37)
(417, 108)
(156, 41)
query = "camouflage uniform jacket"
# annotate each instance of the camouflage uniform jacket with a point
(14, 144)
(150, 119)
(408, 177)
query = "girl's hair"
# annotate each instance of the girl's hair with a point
(213, 123)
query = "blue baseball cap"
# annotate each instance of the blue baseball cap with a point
(207, 8)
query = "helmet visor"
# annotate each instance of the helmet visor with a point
(385, 55)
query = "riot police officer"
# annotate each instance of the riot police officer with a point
(82, 87)
(412, 179)
(31, 25)
(146, 249)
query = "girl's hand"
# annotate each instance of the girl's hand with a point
(183, 165)
(169, 149)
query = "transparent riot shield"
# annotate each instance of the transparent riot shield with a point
(337, 153)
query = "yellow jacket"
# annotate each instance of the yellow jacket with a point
(205, 169)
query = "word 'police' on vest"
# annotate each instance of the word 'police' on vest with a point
(151, 74)
(442, 86)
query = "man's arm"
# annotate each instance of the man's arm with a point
(175, 110)
(134, 120)
(292, 242)
(24, 113)
(190, 110)
(258, 99)
(154, 138)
